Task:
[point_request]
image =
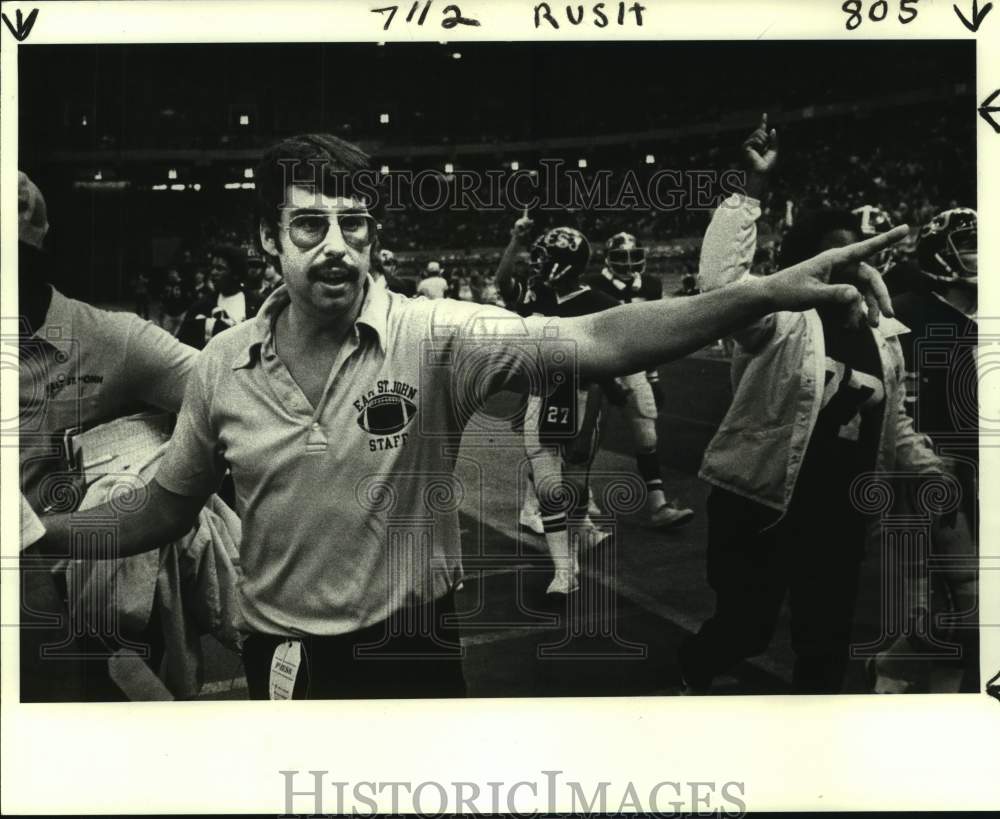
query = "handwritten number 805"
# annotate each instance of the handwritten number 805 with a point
(878, 11)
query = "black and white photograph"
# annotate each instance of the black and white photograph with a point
(496, 369)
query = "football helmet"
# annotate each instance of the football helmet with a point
(872, 221)
(625, 257)
(559, 254)
(947, 247)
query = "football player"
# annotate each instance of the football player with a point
(936, 297)
(872, 221)
(433, 283)
(561, 428)
(624, 279)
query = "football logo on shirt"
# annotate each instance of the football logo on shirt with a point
(386, 411)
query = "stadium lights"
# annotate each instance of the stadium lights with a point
(244, 119)
(178, 187)
(248, 173)
(159, 187)
(650, 159)
(515, 165)
(581, 163)
(449, 168)
(172, 173)
(383, 118)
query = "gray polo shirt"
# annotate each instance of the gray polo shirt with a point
(349, 508)
(84, 366)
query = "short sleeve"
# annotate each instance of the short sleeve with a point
(193, 466)
(490, 349)
(157, 365)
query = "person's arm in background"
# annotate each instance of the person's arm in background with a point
(508, 285)
(157, 365)
(165, 508)
(162, 518)
(730, 243)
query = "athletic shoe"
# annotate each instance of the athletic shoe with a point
(670, 515)
(591, 535)
(532, 519)
(592, 507)
(563, 582)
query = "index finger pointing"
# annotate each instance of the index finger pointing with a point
(862, 250)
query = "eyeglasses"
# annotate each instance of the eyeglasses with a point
(309, 229)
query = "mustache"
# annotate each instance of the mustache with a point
(337, 267)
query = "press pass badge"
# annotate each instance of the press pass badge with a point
(285, 669)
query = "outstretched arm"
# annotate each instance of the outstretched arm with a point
(635, 337)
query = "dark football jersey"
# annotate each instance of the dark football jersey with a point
(583, 302)
(561, 405)
(646, 288)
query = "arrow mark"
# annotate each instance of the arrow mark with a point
(988, 109)
(23, 27)
(978, 15)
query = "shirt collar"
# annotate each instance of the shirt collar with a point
(891, 327)
(58, 322)
(373, 314)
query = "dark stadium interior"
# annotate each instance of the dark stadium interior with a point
(872, 121)
(143, 155)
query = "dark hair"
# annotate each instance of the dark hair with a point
(318, 161)
(235, 258)
(803, 241)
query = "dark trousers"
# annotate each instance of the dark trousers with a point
(812, 555)
(393, 659)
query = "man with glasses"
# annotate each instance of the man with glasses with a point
(339, 410)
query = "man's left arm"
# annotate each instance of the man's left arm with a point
(157, 365)
(637, 337)
(495, 348)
